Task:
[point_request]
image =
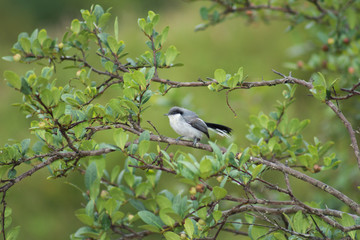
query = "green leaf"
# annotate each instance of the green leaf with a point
(164, 34)
(155, 19)
(240, 72)
(219, 192)
(13, 79)
(13, 233)
(171, 236)
(129, 178)
(256, 170)
(11, 58)
(75, 26)
(113, 44)
(245, 156)
(59, 110)
(117, 194)
(143, 189)
(25, 44)
(348, 221)
(220, 75)
(111, 205)
(46, 97)
(205, 168)
(217, 215)
(116, 216)
(109, 66)
(150, 218)
(25, 146)
(104, 20)
(300, 223)
(85, 219)
(90, 175)
(116, 28)
(141, 23)
(352, 17)
(120, 138)
(148, 29)
(115, 173)
(202, 213)
(319, 92)
(189, 227)
(25, 88)
(170, 55)
(139, 78)
(42, 36)
(105, 222)
(163, 201)
(256, 232)
(279, 236)
(216, 150)
(150, 228)
(166, 218)
(86, 232)
(12, 173)
(143, 147)
(204, 13)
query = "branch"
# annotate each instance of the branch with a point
(350, 129)
(281, 167)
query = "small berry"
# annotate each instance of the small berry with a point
(78, 73)
(61, 45)
(200, 188)
(249, 13)
(346, 41)
(17, 57)
(219, 178)
(192, 191)
(130, 217)
(201, 222)
(325, 48)
(351, 70)
(300, 64)
(317, 168)
(330, 41)
(104, 194)
(324, 64)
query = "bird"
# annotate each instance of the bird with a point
(187, 124)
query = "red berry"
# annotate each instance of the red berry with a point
(300, 64)
(346, 41)
(351, 70)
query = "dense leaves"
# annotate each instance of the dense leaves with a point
(229, 188)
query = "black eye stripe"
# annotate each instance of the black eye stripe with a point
(176, 111)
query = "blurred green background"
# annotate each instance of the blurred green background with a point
(45, 208)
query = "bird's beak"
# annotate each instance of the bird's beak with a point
(166, 114)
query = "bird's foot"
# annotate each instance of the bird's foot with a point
(178, 139)
(195, 141)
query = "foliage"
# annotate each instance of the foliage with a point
(334, 45)
(230, 189)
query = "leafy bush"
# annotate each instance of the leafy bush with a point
(230, 189)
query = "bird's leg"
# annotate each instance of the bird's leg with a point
(195, 141)
(178, 139)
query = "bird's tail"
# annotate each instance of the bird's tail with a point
(220, 129)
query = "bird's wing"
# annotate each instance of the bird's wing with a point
(199, 125)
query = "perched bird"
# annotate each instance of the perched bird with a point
(189, 125)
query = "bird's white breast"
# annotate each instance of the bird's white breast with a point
(182, 128)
